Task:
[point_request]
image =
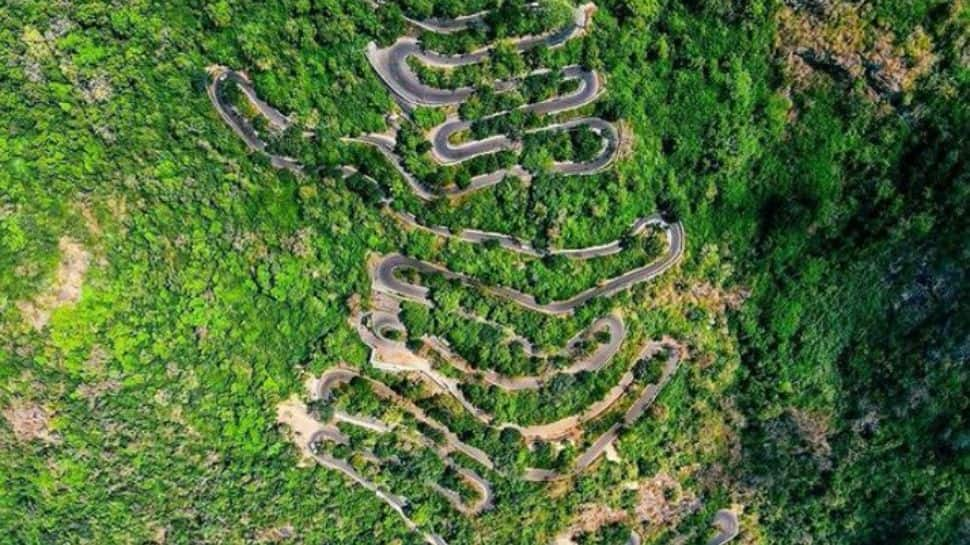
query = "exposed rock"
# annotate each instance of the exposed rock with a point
(91, 392)
(662, 501)
(867, 424)
(98, 89)
(160, 535)
(33, 71)
(300, 243)
(842, 40)
(815, 7)
(593, 517)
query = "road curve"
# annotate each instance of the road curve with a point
(446, 153)
(593, 362)
(590, 87)
(391, 63)
(333, 378)
(387, 282)
(484, 488)
(726, 521)
(385, 145)
(448, 26)
(611, 146)
(476, 236)
(219, 75)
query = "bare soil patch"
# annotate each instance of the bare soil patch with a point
(661, 500)
(66, 287)
(294, 414)
(29, 422)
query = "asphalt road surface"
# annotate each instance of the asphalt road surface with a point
(391, 63)
(612, 324)
(387, 280)
(239, 125)
(726, 521)
(444, 152)
(476, 236)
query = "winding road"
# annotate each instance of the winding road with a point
(323, 387)
(448, 26)
(476, 236)
(219, 75)
(391, 63)
(447, 153)
(612, 324)
(394, 356)
(334, 378)
(387, 281)
(375, 324)
(444, 152)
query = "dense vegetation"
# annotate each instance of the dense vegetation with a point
(162, 289)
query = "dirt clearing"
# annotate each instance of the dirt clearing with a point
(65, 289)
